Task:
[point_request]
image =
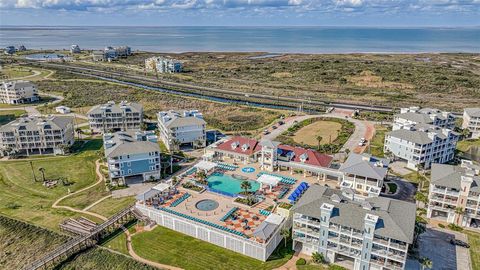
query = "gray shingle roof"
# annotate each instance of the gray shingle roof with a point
(451, 176)
(126, 144)
(177, 119)
(396, 218)
(35, 123)
(473, 112)
(116, 108)
(365, 165)
(415, 117)
(419, 133)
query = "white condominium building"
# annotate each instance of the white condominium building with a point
(421, 145)
(454, 194)
(18, 92)
(115, 117)
(371, 234)
(471, 121)
(163, 65)
(37, 135)
(425, 116)
(182, 127)
(364, 174)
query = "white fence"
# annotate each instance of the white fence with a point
(215, 236)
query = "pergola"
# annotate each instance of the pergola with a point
(206, 165)
(153, 192)
(269, 180)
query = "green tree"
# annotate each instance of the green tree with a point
(245, 185)
(420, 228)
(318, 257)
(285, 232)
(459, 211)
(426, 263)
(319, 140)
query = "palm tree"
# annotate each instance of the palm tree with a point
(42, 170)
(426, 263)
(459, 211)
(246, 186)
(201, 176)
(285, 234)
(78, 131)
(421, 197)
(418, 230)
(319, 139)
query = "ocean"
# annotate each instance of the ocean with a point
(258, 39)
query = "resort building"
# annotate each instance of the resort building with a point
(163, 65)
(18, 92)
(364, 174)
(273, 156)
(132, 155)
(426, 116)
(75, 49)
(372, 234)
(178, 128)
(454, 194)
(421, 145)
(123, 51)
(116, 117)
(21, 48)
(37, 135)
(471, 121)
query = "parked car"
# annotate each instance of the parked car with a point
(457, 242)
(266, 132)
(274, 127)
(281, 123)
(474, 224)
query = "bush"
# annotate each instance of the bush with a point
(318, 257)
(301, 261)
(336, 267)
(441, 225)
(455, 227)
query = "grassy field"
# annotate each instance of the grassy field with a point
(10, 115)
(169, 247)
(23, 198)
(328, 130)
(22, 243)
(378, 141)
(474, 241)
(399, 79)
(227, 117)
(111, 206)
(465, 145)
(341, 132)
(13, 72)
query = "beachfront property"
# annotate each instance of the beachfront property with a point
(9, 50)
(163, 65)
(21, 48)
(182, 127)
(18, 92)
(364, 174)
(471, 122)
(421, 145)
(454, 194)
(37, 135)
(75, 49)
(132, 155)
(115, 117)
(425, 116)
(371, 234)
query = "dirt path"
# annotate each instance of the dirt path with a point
(140, 259)
(97, 202)
(99, 181)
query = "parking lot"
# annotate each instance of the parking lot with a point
(435, 245)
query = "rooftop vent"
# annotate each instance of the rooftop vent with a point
(367, 205)
(336, 198)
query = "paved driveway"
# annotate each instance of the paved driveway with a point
(405, 190)
(434, 244)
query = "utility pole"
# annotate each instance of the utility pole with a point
(33, 172)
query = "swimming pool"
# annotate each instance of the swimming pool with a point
(228, 184)
(248, 169)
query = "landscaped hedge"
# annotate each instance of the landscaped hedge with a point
(346, 130)
(301, 261)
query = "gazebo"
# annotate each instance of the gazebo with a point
(269, 180)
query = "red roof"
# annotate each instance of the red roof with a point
(313, 157)
(251, 145)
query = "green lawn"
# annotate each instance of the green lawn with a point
(474, 241)
(377, 143)
(110, 206)
(23, 198)
(10, 115)
(169, 247)
(87, 197)
(466, 144)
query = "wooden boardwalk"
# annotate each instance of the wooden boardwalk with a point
(85, 241)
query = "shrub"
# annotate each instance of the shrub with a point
(441, 225)
(318, 257)
(301, 261)
(455, 227)
(336, 267)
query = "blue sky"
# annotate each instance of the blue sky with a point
(241, 12)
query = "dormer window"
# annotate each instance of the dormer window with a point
(235, 145)
(303, 157)
(245, 147)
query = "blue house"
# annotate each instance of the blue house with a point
(132, 155)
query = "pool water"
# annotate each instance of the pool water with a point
(206, 205)
(227, 183)
(248, 169)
